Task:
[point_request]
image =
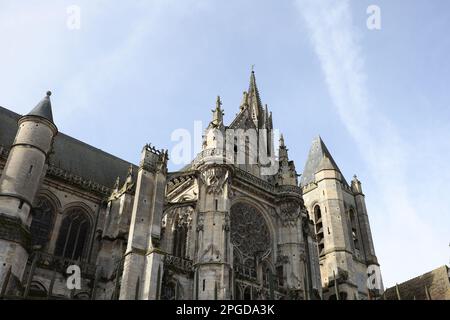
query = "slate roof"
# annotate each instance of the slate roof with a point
(71, 154)
(318, 158)
(43, 108)
(436, 282)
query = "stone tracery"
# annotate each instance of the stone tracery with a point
(249, 231)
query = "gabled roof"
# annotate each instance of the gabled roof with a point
(43, 108)
(319, 158)
(434, 285)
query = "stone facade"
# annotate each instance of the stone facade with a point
(227, 226)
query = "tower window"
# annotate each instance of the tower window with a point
(354, 226)
(318, 224)
(180, 238)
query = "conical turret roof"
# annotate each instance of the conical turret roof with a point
(43, 108)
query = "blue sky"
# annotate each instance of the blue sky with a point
(137, 70)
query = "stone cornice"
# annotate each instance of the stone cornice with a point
(12, 229)
(264, 185)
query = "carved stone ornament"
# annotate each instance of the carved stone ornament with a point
(215, 179)
(249, 231)
(289, 213)
(185, 216)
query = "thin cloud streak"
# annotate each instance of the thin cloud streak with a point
(399, 232)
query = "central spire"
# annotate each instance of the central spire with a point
(253, 99)
(252, 113)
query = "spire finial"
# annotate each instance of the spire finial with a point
(281, 140)
(49, 93)
(253, 68)
(217, 113)
(218, 103)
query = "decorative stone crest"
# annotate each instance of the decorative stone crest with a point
(215, 179)
(185, 216)
(289, 213)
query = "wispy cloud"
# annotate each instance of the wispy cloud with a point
(403, 239)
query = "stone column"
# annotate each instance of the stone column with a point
(143, 264)
(212, 261)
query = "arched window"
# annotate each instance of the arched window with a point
(43, 216)
(180, 229)
(319, 229)
(73, 235)
(179, 240)
(354, 225)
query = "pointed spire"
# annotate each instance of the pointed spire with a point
(253, 88)
(43, 109)
(282, 141)
(253, 99)
(356, 185)
(244, 100)
(318, 156)
(283, 156)
(217, 113)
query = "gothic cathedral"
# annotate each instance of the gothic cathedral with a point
(236, 223)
